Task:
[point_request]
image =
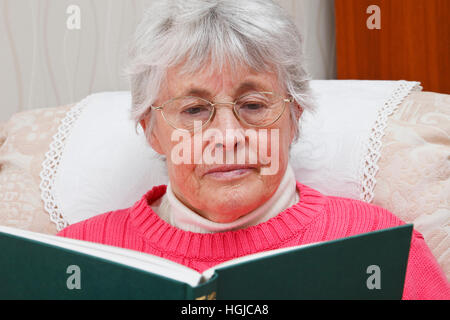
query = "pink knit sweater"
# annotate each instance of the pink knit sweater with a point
(314, 218)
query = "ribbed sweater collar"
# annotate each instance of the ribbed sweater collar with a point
(224, 245)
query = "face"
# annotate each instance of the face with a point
(224, 190)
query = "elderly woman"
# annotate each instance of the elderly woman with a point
(219, 88)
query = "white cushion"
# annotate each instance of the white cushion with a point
(100, 164)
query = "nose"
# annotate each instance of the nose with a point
(230, 128)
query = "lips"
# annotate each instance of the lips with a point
(229, 168)
(227, 172)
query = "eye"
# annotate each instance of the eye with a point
(193, 110)
(196, 110)
(253, 106)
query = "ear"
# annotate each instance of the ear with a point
(300, 110)
(151, 137)
(298, 115)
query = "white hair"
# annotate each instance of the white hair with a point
(255, 33)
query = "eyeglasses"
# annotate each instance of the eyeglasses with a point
(256, 109)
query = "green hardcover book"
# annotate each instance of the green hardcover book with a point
(365, 266)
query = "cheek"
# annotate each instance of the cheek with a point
(276, 142)
(286, 136)
(180, 164)
(173, 145)
(183, 179)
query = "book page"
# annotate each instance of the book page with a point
(131, 258)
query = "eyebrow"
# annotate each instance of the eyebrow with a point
(198, 92)
(248, 86)
(243, 88)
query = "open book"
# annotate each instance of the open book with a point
(365, 266)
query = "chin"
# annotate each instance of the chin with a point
(230, 203)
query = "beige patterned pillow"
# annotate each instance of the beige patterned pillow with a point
(24, 140)
(413, 180)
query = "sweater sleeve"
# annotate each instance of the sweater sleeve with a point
(424, 279)
(74, 231)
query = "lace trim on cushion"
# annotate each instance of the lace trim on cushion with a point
(51, 163)
(370, 161)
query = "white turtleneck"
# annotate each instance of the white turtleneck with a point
(174, 212)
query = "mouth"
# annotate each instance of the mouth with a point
(230, 172)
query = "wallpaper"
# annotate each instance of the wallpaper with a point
(56, 52)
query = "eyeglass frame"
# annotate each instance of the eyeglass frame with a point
(213, 113)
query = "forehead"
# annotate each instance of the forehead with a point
(210, 82)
